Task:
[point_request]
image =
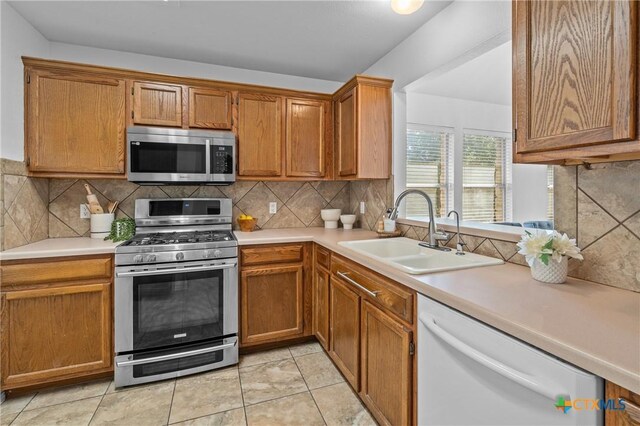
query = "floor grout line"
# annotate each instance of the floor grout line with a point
(25, 406)
(173, 394)
(244, 407)
(99, 403)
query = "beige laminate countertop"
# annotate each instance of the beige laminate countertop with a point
(55, 247)
(593, 326)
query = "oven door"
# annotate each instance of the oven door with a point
(153, 158)
(161, 306)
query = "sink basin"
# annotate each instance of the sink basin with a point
(405, 254)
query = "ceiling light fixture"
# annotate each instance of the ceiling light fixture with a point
(406, 7)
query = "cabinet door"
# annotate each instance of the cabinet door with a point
(259, 135)
(305, 138)
(574, 73)
(345, 330)
(386, 366)
(630, 416)
(75, 123)
(209, 109)
(321, 306)
(157, 104)
(272, 303)
(55, 333)
(347, 133)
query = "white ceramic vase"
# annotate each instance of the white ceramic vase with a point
(553, 273)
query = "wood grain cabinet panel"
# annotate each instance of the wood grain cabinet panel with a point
(157, 104)
(630, 416)
(272, 303)
(347, 134)
(209, 109)
(305, 138)
(386, 371)
(55, 333)
(345, 330)
(575, 71)
(260, 137)
(321, 306)
(75, 123)
(270, 254)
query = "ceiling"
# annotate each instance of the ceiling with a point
(330, 40)
(485, 78)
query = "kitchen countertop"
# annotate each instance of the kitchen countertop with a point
(55, 247)
(593, 326)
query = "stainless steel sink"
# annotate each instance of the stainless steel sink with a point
(406, 255)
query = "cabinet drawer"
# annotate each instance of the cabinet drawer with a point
(322, 257)
(376, 288)
(51, 271)
(272, 254)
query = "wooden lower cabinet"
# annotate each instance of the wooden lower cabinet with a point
(54, 329)
(345, 331)
(386, 366)
(630, 416)
(321, 306)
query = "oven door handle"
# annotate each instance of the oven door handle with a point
(176, 355)
(176, 270)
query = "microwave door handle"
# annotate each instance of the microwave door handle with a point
(175, 270)
(176, 355)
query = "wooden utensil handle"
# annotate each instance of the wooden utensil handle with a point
(88, 188)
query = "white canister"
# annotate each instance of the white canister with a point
(101, 224)
(389, 225)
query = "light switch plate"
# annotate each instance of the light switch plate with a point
(273, 207)
(84, 212)
(362, 207)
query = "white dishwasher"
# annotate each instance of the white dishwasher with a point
(472, 374)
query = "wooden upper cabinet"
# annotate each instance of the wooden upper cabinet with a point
(209, 108)
(75, 123)
(305, 138)
(363, 128)
(347, 129)
(260, 135)
(575, 79)
(157, 104)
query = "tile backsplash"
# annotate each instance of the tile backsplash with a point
(600, 207)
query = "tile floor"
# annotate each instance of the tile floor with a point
(298, 385)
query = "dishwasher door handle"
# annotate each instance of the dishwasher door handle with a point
(510, 373)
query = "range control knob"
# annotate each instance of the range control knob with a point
(150, 258)
(179, 256)
(138, 258)
(217, 253)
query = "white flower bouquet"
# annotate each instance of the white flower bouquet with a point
(547, 254)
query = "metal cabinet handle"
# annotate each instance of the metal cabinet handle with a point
(631, 409)
(175, 356)
(345, 276)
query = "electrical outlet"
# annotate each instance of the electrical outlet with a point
(84, 212)
(273, 207)
(362, 207)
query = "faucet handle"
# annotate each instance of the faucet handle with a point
(440, 236)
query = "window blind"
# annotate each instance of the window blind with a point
(486, 177)
(429, 168)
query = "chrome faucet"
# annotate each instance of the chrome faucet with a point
(459, 245)
(434, 235)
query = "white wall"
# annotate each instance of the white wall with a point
(17, 38)
(529, 181)
(20, 38)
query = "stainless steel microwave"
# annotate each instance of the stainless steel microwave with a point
(177, 156)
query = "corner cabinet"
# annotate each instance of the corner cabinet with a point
(56, 320)
(75, 123)
(575, 81)
(275, 293)
(363, 129)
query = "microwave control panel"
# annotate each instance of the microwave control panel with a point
(221, 159)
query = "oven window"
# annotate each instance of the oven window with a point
(150, 157)
(177, 308)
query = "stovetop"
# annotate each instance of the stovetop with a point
(168, 238)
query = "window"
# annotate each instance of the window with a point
(486, 176)
(429, 168)
(550, 193)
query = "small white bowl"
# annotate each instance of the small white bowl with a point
(348, 220)
(330, 217)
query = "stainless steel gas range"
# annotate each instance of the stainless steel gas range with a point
(176, 291)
